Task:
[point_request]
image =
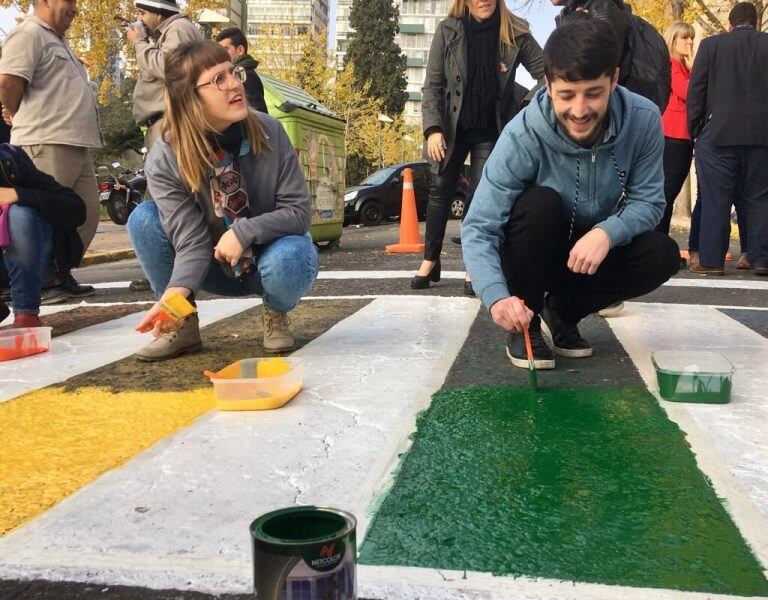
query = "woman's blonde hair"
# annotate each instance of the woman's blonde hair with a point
(184, 123)
(678, 29)
(510, 24)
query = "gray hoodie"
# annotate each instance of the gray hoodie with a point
(278, 200)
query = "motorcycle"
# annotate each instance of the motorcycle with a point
(121, 191)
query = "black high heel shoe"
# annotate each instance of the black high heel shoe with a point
(421, 282)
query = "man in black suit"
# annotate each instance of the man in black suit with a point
(728, 113)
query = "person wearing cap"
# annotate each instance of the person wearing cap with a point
(160, 29)
(46, 96)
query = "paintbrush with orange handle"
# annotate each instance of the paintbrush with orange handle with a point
(532, 379)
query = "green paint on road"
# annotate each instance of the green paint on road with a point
(589, 485)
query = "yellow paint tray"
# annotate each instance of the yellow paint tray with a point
(257, 383)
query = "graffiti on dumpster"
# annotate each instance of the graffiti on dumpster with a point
(324, 172)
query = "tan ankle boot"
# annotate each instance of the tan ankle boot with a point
(184, 340)
(277, 331)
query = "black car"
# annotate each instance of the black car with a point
(380, 195)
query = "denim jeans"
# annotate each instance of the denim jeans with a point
(28, 259)
(286, 268)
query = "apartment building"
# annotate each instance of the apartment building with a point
(286, 17)
(418, 21)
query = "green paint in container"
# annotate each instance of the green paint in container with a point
(306, 553)
(692, 376)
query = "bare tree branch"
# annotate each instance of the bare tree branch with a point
(714, 21)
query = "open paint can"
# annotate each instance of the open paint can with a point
(306, 553)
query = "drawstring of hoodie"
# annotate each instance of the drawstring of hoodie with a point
(622, 203)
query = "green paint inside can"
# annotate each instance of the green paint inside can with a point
(304, 552)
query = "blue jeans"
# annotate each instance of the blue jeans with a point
(285, 272)
(28, 258)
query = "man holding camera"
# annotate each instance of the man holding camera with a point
(159, 30)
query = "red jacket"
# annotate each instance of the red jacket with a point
(674, 119)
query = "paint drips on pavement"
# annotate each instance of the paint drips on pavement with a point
(588, 485)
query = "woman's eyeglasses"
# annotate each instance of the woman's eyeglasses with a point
(221, 78)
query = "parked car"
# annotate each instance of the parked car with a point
(380, 195)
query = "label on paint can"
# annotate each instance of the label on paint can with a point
(305, 553)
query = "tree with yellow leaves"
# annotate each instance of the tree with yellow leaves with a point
(98, 37)
(711, 15)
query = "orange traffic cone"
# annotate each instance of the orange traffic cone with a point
(410, 240)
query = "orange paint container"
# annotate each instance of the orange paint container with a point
(18, 343)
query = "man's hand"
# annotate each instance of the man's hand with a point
(7, 117)
(511, 314)
(134, 34)
(8, 195)
(152, 321)
(228, 250)
(589, 252)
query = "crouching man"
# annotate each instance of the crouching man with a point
(563, 217)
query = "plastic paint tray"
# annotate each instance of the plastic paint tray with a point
(17, 343)
(693, 376)
(238, 388)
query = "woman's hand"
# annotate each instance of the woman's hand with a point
(436, 146)
(8, 195)
(228, 250)
(152, 321)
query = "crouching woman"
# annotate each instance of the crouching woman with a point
(230, 208)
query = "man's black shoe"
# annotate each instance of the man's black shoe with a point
(565, 337)
(71, 288)
(542, 355)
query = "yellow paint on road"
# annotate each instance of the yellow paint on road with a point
(53, 441)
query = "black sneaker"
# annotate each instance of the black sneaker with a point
(71, 288)
(542, 355)
(52, 295)
(4, 311)
(566, 338)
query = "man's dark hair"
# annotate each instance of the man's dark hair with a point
(744, 13)
(235, 35)
(580, 49)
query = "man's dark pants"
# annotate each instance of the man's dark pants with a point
(535, 257)
(732, 175)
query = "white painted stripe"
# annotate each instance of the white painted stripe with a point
(409, 583)
(92, 347)
(729, 284)
(108, 285)
(730, 441)
(710, 283)
(335, 444)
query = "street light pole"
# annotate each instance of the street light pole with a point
(382, 119)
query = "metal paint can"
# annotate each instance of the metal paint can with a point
(305, 553)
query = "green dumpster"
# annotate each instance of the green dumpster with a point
(318, 136)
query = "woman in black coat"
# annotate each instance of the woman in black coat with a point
(468, 98)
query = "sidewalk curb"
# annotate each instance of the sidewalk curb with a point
(98, 258)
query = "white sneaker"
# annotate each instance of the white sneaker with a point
(612, 310)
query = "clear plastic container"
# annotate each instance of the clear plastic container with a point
(692, 376)
(238, 386)
(18, 343)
